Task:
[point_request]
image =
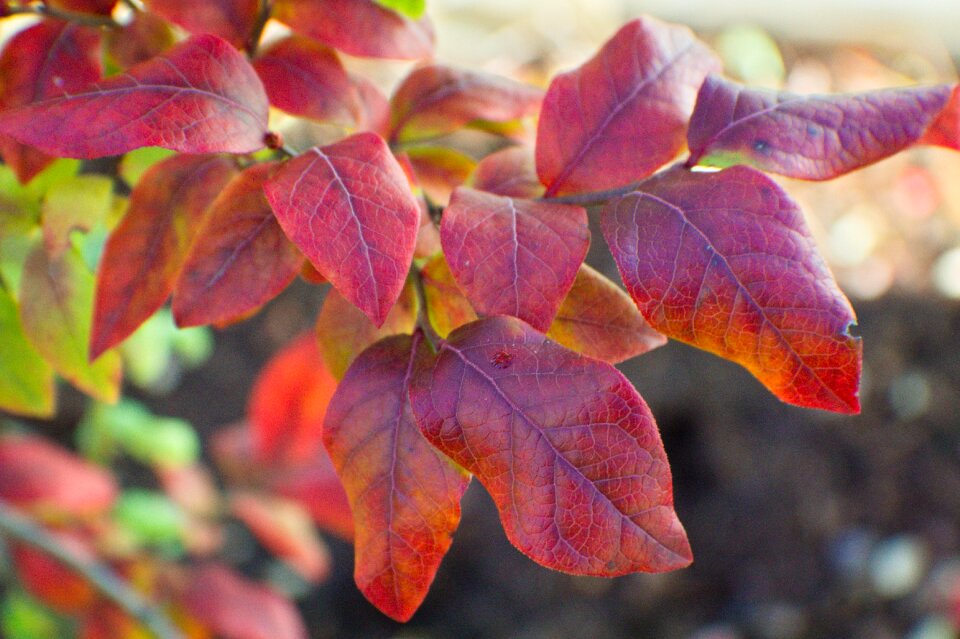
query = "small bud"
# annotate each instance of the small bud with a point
(273, 140)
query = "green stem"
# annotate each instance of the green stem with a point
(423, 320)
(22, 529)
(85, 19)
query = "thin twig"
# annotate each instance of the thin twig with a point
(85, 19)
(18, 527)
(592, 198)
(263, 15)
(423, 320)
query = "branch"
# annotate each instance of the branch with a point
(85, 19)
(263, 15)
(423, 320)
(22, 529)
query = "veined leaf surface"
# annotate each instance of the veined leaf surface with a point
(563, 443)
(724, 261)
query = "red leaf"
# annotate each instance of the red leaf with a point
(144, 37)
(102, 7)
(724, 261)
(313, 484)
(816, 137)
(404, 494)
(624, 112)
(51, 482)
(49, 580)
(288, 404)
(515, 257)
(374, 107)
(307, 79)
(240, 258)
(232, 20)
(201, 96)
(349, 208)
(564, 444)
(509, 172)
(285, 529)
(436, 100)
(945, 130)
(233, 607)
(344, 332)
(143, 255)
(599, 320)
(358, 27)
(47, 60)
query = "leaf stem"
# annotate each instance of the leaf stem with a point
(593, 197)
(423, 320)
(85, 19)
(263, 15)
(18, 527)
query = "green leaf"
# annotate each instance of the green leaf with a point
(77, 203)
(135, 163)
(14, 249)
(150, 518)
(56, 310)
(168, 442)
(413, 9)
(27, 385)
(105, 429)
(22, 617)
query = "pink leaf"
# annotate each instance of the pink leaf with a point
(624, 112)
(358, 27)
(509, 172)
(404, 494)
(47, 60)
(515, 257)
(201, 96)
(307, 79)
(232, 20)
(563, 443)
(436, 100)
(239, 260)
(816, 137)
(724, 261)
(349, 208)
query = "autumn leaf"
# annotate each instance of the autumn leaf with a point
(232, 20)
(349, 209)
(724, 261)
(234, 607)
(623, 113)
(145, 252)
(145, 36)
(239, 259)
(288, 403)
(815, 137)
(440, 170)
(50, 581)
(512, 256)
(436, 100)
(447, 307)
(76, 203)
(404, 494)
(344, 332)
(27, 385)
(945, 129)
(201, 96)
(598, 319)
(359, 27)
(305, 78)
(563, 443)
(56, 309)
(51, 482)
(510, 172)
(103, 7)
(49, 59)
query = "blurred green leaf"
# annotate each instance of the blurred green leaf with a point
(166, 442)
(105, 429)
(751, 55)
(135, 163)
(27, 385)
(150, 518)
(193, 346)
(77, 203)
(411, 8)
(14, 249)
(22, 617)
(155, 351)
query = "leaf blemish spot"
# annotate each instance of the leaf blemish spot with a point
(502, 359)
(761, 146)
